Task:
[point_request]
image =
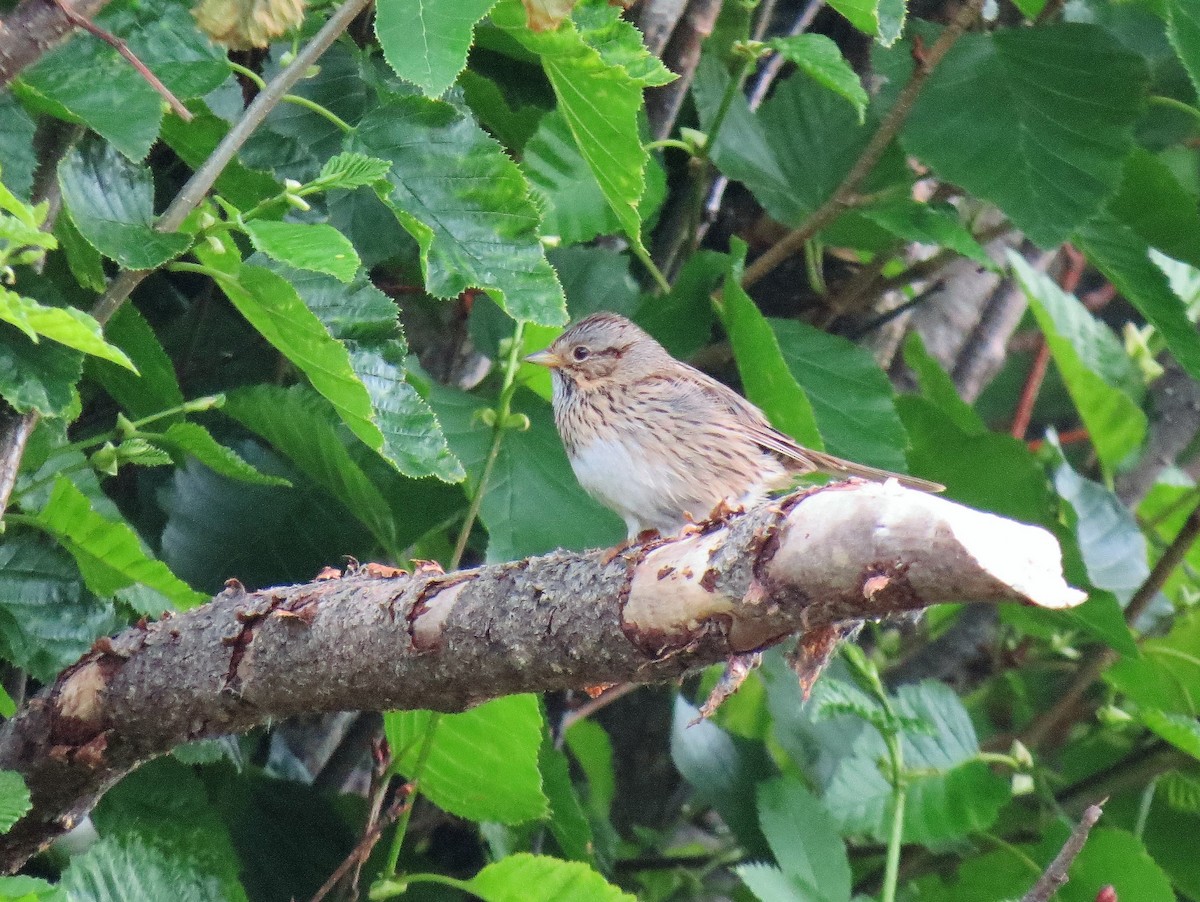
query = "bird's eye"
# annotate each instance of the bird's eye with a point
(580, 353)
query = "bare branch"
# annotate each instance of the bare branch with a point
(888, 129)
(1056, 874)
(446, 642)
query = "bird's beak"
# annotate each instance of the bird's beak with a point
(545, 358)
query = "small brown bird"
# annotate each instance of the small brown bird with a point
(657, 440)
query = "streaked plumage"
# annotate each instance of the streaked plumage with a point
(657, 440)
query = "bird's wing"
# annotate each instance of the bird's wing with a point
(799, 458)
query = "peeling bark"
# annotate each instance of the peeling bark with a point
(372, 641)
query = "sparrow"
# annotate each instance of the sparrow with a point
(660, 442)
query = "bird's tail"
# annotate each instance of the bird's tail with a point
(836, 466)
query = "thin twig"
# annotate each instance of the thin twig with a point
(362, 851)
(122, 48)
(1056, 874)
(204, 177)
(1068, 280)
(591, 706)
(888, 128)
(758, 92)
(1099, 660)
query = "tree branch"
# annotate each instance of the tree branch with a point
(1056, 874)
(843, 195)
(34, 28)
(447, 642)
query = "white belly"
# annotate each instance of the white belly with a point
(624, 483)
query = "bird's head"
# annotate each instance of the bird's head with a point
(600, 349)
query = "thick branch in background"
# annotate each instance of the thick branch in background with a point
(34, 28)
(449, 641)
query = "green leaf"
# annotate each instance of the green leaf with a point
(112, 204)
(851, 396)
(482, 764)
(951, 794)
(804, 838)
(274, 308)
(682, 320)
(820, 58)
(66, 325)
(1181, 730)
(30, 889)
(1154, 205)
(1117, 858)
(533, 503)
(154, 387)
(190, 438)
(352, 170)
(770, 884)
(127, 867)
(47, 619)
(1109, 537)
(109, 554)
(568, 822)
(1099, 375)
(1183, 28)
(938, 388)
(165, 37)
(364, 319)
(84, 261)
(164, 805)
(913, 221)
(599, 98)
(723, 770)
(299, 424)
(1124, 258)
(427, 43)
(15, 801)
(195, 141)
(576, 209)
(466, 203)
(793, 152)
(87, 81)
(766, 377)
(314, 246)
(1049, 144)
(1167, 674)
(537, 878)
(17, 158)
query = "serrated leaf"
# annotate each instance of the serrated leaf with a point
(84, 261)
(317, 246)
(109, 554)
(770, 884)
(1167, 674)
(154, 387)
(538, 878)
(906, 218)
(352, 170)
(299, 425)
(85, 81)
(1183, 29)
(950, 795)
(15, 801)
(804, 838)
(126, 867)
(1125, 260)
(274, 308)
(190, 438)
(47, 619)
(1153, 203)
(851, 397)
(427, 43)
(600, 100)
(30, 889)
(576, 208)
(65, 325)
(820, 58)
(1098, 374)
(482, 764)
(112, 204)
(767, 380)
(467, 205)
(1049, 145)
(364, 318)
